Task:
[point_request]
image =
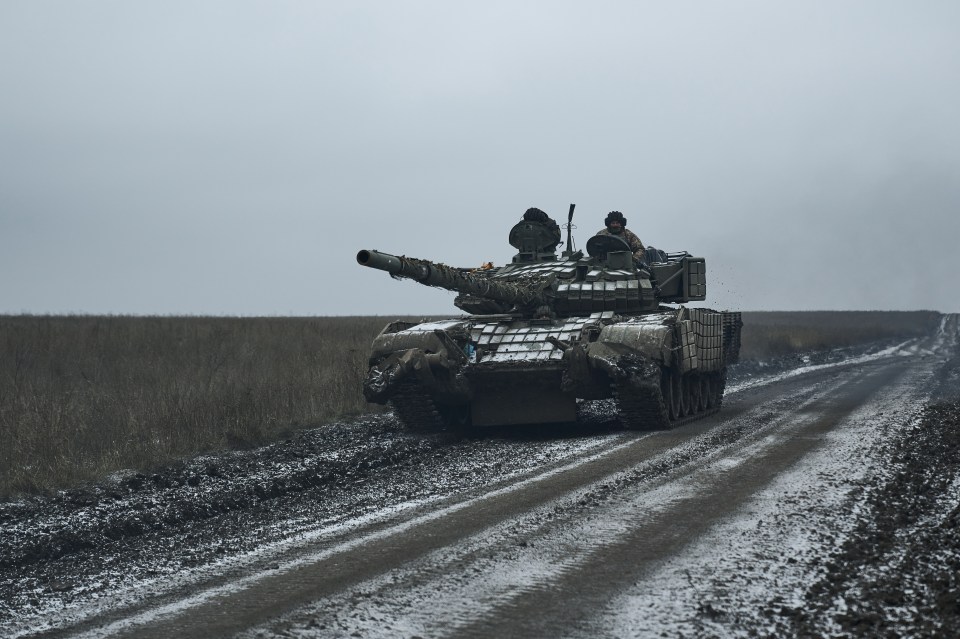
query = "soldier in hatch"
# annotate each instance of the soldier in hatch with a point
(617, 226)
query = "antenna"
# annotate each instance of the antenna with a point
(569, 250)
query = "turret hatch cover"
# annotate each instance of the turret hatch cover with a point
(600, 245)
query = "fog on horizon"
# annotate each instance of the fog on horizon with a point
(232, 157)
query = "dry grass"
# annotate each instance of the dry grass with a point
(83, 396)
(774, 333)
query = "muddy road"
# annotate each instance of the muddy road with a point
(822, 500)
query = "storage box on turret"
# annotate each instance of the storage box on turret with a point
(682, 279)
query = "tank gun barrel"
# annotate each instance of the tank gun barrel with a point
(443, 276)
(398, 266)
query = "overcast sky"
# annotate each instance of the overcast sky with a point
(232, 157)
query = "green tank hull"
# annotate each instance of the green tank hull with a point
(661, 367)
(546, 333)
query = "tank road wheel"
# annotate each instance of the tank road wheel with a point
(685, 399)
(670, 387)
(696, 397)
(706, 391)
(715, 382)
(665, 391)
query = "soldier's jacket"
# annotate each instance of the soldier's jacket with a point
(630, 237)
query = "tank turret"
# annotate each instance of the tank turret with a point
(548, 331)
(607, 279)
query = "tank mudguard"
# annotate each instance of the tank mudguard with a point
(429, 337)
(652, 339)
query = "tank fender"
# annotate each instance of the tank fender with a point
(421, 352)
(433, 372)
(653, 340)
(604, 358)
(428, 337)
(618, 365)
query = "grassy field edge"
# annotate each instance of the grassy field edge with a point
(84, 396)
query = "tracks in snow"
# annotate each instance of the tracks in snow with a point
(547, 551)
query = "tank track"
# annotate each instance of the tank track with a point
(722, 386)
(415, 409)
(641, 405)
(695, 416)
(639, 398)
(718, 401)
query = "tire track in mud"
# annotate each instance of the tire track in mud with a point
(568, 492)
(64, 557)
(573, 559)
(341, 563)
(340, 567)
(541, 595)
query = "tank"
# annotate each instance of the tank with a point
(545, 332)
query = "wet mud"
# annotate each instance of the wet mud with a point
(80, 544)
(898, 572)
(895, 574)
